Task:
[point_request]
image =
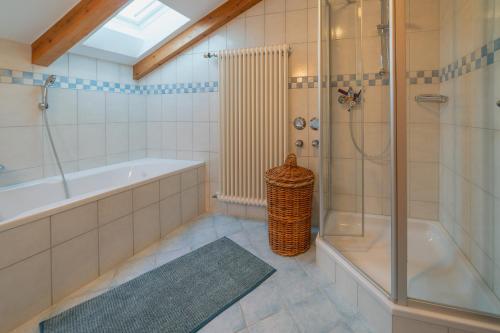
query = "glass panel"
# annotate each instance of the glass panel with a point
(453, 153)
(358, 222)
(324, 102)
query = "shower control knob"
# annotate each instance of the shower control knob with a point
(315, 143)
(299, 143)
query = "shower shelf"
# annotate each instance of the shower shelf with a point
(431, 98)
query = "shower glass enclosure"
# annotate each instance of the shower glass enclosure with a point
(411, 143)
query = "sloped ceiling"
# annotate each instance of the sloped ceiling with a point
(193, 9)
(25, 20)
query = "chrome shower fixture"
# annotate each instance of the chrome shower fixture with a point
(349, 98)
(44, 105)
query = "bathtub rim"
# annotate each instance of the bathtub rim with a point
(34, 215)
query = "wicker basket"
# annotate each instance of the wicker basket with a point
(289, 206)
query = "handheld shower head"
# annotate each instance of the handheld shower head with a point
(43, 105)
(50, 81)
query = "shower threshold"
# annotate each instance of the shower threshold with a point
(438, 272)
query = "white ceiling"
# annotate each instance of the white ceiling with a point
(25, 20)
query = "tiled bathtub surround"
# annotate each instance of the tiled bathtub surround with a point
(91, 128)
(169, 123)
(43, 261)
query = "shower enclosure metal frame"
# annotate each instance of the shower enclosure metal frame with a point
(398, 134)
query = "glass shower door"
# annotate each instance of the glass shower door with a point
(453, 153)
(356, 146)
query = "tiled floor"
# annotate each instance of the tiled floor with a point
(297, 298)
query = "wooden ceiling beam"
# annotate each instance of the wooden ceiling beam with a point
(192, 35)
(79, 22)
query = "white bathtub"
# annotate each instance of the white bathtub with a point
(51, 246)
(40, 198)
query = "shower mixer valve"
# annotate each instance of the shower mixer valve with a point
(349, 98)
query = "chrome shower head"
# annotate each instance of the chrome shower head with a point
(50, 81)
(44, 105)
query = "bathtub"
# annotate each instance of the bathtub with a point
(50, 246)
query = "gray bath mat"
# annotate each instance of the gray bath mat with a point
(180, 296)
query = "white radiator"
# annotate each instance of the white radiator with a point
(253, 92)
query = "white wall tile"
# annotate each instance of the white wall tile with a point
(146, 226)
(275, 29)
(154, 107)
(201, 136)
(185, 107)
(184, 136)
(169, 186)
(91, 107)
(169, 136)
(154, 135)
(200, 68)
(255, 31)
(126, 74)
(189, 179)
(20, 147)
(274, 6)
(73, 222)
(74, 264)
(116, 243)
(137, 136)
(169, 106)
(65, 139)
(114, 207)
(22, 242)
(62, 107)
(25, 290)
(236, 34)
(217, 41)
(169, 72)
(296, 26)
(117, 137)
(108, 71)
(185, 68)
(201, 107)
(296, 4)
(145, 195)
(82, 67)
(19, 105)
(137, 108)
(189, 202)
(117, 107)
(170, 214)
(91, 140)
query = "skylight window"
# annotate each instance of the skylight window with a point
(137, 28)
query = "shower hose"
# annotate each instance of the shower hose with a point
(65, 184)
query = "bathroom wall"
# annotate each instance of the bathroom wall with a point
(183, 122)
(365, 183)
(423, 118)
(469, 163)
(91, 128)
(355, 62)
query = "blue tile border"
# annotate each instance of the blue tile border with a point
(482, 57)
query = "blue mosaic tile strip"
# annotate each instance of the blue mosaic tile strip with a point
(480, 58)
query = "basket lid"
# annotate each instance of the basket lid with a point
(290, 173)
